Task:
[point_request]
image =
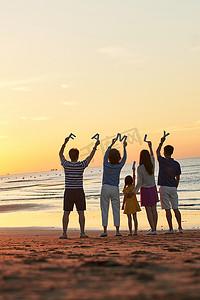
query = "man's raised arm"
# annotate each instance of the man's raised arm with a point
(160, 146)
(90, 157)
(63, 148)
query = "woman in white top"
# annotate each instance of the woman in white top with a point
(146, 184)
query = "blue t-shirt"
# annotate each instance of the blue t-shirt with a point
(168, 170)
(111, 172)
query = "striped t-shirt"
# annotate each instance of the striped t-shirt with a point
(74, 173)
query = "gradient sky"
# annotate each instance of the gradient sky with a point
(96, 66)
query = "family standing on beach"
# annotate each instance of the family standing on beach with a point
(168, 180)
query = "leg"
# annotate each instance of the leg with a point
(117, 231)
(104, 208)
(174, 205)
(116, 208)
(105, 229)
(165, 204)
(129, 223)
(155, 215)
(65, 221)
(67, 207)
(135, 222)
(82, 221)
(178, 218)
(150, 218)
(169, 218)
(116, 215)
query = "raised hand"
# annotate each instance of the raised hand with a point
(149, 144)
(67, 139)
(162, 139)
(113, 141)
(125, 144)
(97, 144)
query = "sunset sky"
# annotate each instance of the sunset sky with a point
(88, 66)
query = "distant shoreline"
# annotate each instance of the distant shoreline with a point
(61, 170)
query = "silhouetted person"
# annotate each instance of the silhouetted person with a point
(112, 166)
(168, 179)
(74, 193)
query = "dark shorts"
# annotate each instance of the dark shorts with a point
(74, 196)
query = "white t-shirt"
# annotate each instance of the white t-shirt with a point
(143, 177)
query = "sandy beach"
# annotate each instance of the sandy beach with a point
(35, 264)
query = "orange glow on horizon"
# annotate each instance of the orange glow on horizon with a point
(79, 70)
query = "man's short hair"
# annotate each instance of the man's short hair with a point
(114, 156)
(168, 150)
(74, 154)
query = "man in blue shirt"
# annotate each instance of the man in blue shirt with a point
(168, 179)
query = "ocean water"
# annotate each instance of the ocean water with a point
(36, 199)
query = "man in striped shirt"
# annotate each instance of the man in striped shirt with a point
(74, 193)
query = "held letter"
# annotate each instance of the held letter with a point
(72, 136)
(121, 138)
(166, 134)
(96, 136)
(145, 138)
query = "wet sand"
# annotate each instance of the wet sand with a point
(35, 264)
(18, 207)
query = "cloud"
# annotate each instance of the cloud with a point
(194, 125)
(39, 118)
(190, 126)
(122, 55)
(23, 89)
(5, 122)
(182, 127)
(195, 42)
(195, 48)
(64, 86)
(68, 103)
(42, 118)
(3, 137)
(21, 82)
(114, 51)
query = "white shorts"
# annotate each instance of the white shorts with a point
(168, 197)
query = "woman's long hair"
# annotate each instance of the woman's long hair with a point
(145, 159)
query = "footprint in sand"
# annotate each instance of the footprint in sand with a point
(103, 263)
(141, 252)
(173, 250)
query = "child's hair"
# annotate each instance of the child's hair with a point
(114, 156)
(145, 159)
(128, 180)
(168, 150)
(73, 154)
